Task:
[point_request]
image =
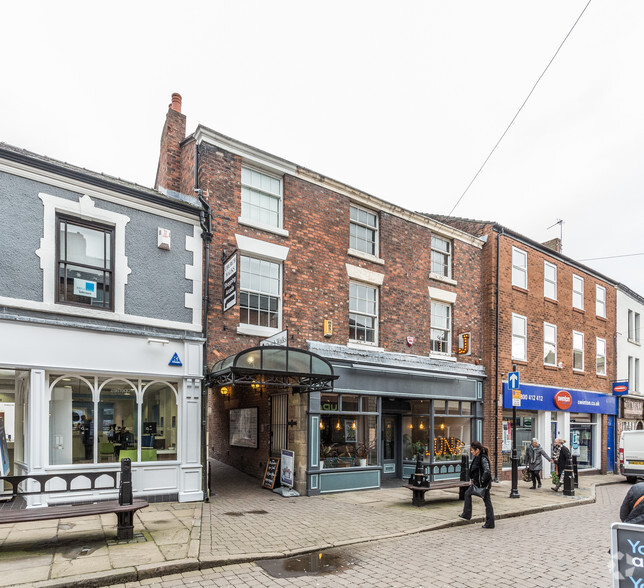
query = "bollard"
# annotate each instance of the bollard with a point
(125, 488)
(575, 470)
(569, 479)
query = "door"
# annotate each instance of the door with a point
(279, 424)
(610, 444)
(390, 458)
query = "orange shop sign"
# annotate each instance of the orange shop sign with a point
(563, 400)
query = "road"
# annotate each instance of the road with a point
(561, 548)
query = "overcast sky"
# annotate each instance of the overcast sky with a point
(403, 100)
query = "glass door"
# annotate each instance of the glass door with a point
(390, 457)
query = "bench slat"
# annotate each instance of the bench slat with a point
(61, 512)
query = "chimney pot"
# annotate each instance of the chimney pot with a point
(176, 102)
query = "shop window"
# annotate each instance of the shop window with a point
(601, 357)
(453, 407)
(440, 407)
(363, 313)
(363, 231)
(549, 280)
(549, 344)
(85, 262)
(582, 431)
(118, 421)
(260, 292)
(159, 423)
(466, 408)
(526, 422)
(348, 438)
(452, 436)
(72, 425)
(519, 337)
(261, 198)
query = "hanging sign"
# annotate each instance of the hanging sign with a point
(229, 298)
(279, 339)
(620, 388)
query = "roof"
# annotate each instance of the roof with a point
(60, 168)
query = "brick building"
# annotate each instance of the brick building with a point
(555, 320)
(379, 311)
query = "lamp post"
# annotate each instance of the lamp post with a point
(514, 492)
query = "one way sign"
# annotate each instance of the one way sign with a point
(513, 378)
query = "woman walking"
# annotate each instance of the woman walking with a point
(481, 476)
(534, 462)
(564, 456)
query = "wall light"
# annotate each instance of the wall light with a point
(224, 391)
(160, 341)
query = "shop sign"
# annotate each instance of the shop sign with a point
(84, 288)
(535, 397)
(632, 408)
(230, 283)
(563, 400)
(620, 388)
(464, 344)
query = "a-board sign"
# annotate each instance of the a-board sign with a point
(272, 473)
(627, 552)
(288, 460)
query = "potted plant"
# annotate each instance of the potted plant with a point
(363, 451)
(418, 448)
(326, 452)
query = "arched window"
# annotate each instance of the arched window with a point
(71, 421)
(159, 417)
(118, 421)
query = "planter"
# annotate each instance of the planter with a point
(363, 462)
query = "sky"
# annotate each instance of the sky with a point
(402, 100)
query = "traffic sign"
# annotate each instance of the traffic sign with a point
(513, 379)
(516, 397)
(620, 388)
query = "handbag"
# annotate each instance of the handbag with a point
(525, 476)
(479, 490)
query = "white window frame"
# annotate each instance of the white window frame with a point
(519, 270)
(435, 305)
(446, 255)
(247, 219)
(374, 316)
(520, 337)
(574, 348)
(547, 282)
(600, 301)
(260, 292)
(577, 292)
(376, 232)
(633, 374)
(599, 342)
(633, 326)
(549, 341)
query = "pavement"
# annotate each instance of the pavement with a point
(244, 522)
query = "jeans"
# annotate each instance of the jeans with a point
(489, 511)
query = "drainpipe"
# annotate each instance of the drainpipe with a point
(205, 220)
(496, 361)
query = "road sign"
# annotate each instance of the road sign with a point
(513, 379)
(516, 397)
(620, 388)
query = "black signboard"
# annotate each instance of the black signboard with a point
(271, 473)
(229, 299)
(627, 551)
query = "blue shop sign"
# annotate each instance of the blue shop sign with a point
(543, 398)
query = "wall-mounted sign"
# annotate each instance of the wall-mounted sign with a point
(279, 339)
(229, 298)
(175, 361)
(243, 427)
(543, 398)
(620, 388)
(84, 288)
(464, 344)
(563, 400)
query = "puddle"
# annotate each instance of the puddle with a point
(75, 552)
(308, 564)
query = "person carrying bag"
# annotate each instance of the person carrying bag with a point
(533, 461)
(480, 483)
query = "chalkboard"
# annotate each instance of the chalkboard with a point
(271, 473)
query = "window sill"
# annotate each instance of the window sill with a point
(255, 225)
(433, 276)
(519, 289)
(551, 300)
(256, 331)
(634, 342)
(580, 372)
(441, 357)
(359, 345)
(550, 367)
(365, 256)
(602, 376)
(519, 361)
(579, 310)
(601, 318)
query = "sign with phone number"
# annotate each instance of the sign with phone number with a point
(543, 398)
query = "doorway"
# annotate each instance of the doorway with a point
(391, 463)
(279, 424)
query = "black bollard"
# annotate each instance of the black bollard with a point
(125, 489)
(575, 469)
(569, 479)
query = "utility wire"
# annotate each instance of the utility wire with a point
(476, 175)
(611, 256)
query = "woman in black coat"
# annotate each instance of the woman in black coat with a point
(481, 476)
(564, 456)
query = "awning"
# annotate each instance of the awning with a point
(271, 366)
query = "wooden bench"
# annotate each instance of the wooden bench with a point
(418, 498)
(124, 507)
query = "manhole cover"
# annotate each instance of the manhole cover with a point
(309, 564)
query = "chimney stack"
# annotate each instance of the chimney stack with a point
(169, 171)
(176, 102)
